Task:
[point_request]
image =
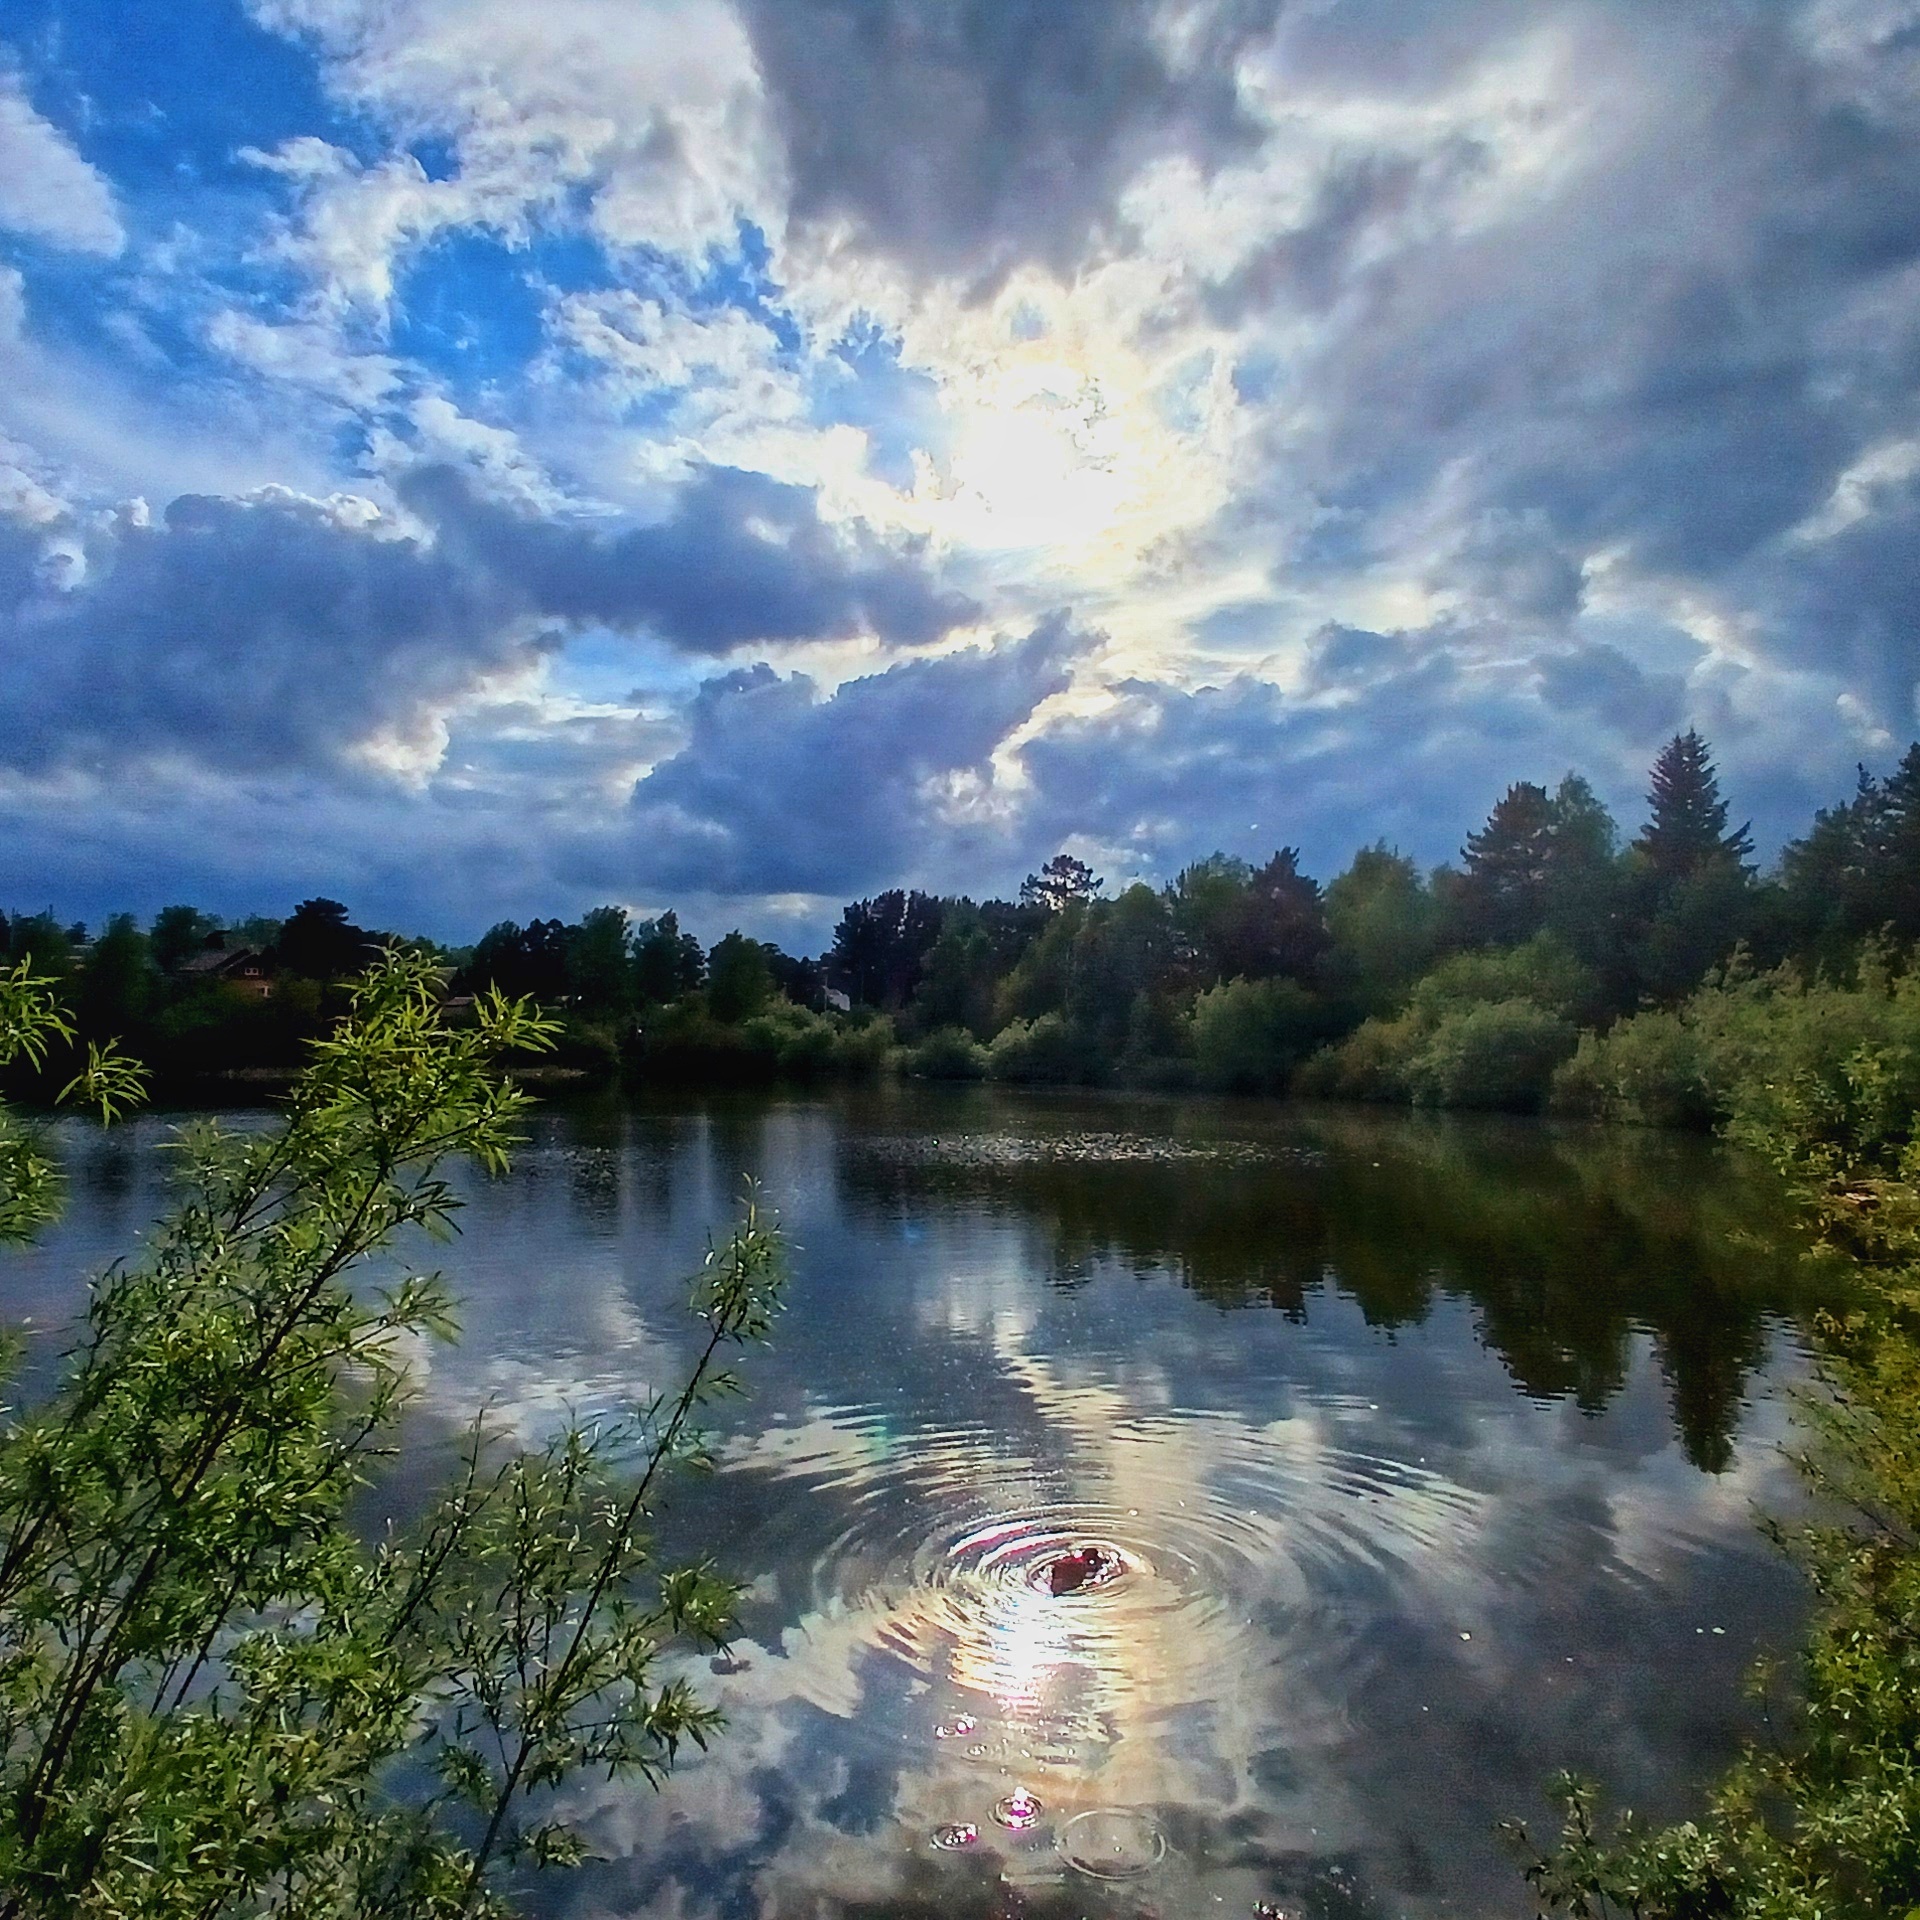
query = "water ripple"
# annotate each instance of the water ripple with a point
(1238, 1553)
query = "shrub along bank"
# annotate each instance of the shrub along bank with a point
(1823, 1821)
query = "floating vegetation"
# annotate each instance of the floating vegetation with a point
(1079, 1148)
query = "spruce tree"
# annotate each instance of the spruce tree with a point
(1508, 863)
(1893, 866)
(1687, 827)
(1694, 892)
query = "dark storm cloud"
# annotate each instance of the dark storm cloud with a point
(1848, 604)
(1339, 656)
(741, 558)
(966, 136)
(243, 633)
(1406, 736)
(1509, 566)
(279, 631)
(1168, 774)
(778, 790)
(1308, 265)
(1602, 682)
(1569, 314)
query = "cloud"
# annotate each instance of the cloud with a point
(741, 558)
(762, 799)
(1493, 386)
(13, 306)
(1641, 321)
(46, 189)
(1603, 682)
(885, 782)
(278, 630)
(646, 116)
(1409, 736)
(261, 633)
(969, 136)
(1508, 566)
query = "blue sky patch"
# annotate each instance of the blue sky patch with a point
(861, 383)
(470, 307)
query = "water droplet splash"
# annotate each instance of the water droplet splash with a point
(956, 1836)
(1019, 1810)
(946, 1567)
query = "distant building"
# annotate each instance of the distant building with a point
(244, 968)
(838, 1001)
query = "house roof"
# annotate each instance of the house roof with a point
(216, 961)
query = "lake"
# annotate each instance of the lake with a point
(1421, 1457)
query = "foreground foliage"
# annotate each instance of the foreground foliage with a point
(1825, 1823)
(31, 1022)
(215, 1699)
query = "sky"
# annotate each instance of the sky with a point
(478, 460)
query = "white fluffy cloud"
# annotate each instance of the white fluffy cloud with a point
(46, 188)
(652, 113)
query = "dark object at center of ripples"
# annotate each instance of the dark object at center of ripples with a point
(1072, 1571)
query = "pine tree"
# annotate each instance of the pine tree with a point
(1687, 828)
(1063, 882)
(1827, 875)
(1694, 897)
(1286, 928)
(1856, 870)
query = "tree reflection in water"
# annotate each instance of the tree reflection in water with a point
(1567, 1241)
(1429, 1448)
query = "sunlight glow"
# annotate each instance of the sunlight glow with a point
(1020, 1639)
(1042, 459)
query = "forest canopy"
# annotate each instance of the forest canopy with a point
(1473, 984)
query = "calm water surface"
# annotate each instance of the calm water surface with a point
(1428, 1450)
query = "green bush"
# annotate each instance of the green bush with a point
(1371, 1063)
(1248, 1036)
(1498, 1054)
(1772, 1051)
(1044, 1050)
(1649, 1070)
(791, 1042)
(948, 1053)
(1483, 1029)
(1541, 972)
(864, 1044)
(684, 1044)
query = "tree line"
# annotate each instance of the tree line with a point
(1470, 984)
